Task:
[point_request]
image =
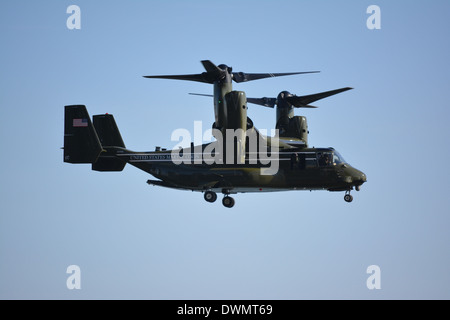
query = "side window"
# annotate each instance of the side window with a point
(298, 161)
(301, 161)
(325, 159)
(310, 160)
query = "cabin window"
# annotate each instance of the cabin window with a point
(302, 161)
(325, 159)
(310, 160)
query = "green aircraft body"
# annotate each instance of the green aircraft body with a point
(241, 159)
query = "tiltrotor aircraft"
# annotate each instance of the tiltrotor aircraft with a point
(240, 160)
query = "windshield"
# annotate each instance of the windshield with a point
(337, 158)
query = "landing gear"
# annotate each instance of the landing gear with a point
(210, 196)
(348, 197)
(228, 202)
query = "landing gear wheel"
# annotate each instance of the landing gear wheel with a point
(210, 196)
(228, 202)
(348, 198)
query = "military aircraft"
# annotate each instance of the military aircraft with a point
(241, 159)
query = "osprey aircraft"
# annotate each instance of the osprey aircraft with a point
(241, 159)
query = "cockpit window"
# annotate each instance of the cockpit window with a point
(337, 158)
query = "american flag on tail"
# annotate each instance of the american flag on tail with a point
(77, 123)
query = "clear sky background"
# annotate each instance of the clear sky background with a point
(134, 241)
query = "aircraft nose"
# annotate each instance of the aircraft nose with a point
(359, 179)
(363, 177)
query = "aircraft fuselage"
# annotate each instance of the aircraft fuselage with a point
(302, 169)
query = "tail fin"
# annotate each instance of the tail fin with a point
(81, 143)
(107, 131)
(109, 136)
(96, 143)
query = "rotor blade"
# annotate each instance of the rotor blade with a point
(211, 67)
(304, 101)
(243, 77)
(203, 77)
(200, 94)
(307, 106)
(213, 72)
(266, 102)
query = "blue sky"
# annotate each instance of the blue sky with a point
(131, 240)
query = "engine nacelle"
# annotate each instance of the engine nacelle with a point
(295, 127)
(236, 103)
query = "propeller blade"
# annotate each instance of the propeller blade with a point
(307, 106)
(266, 102)
(203, 77)
(200, 94)
(244, 77)
(212, 74)
(215, 73)
(211, 67)
(304, 101)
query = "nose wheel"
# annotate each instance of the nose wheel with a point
(348, 197)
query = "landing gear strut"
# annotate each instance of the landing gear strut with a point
(210, 196)
(348, 197)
